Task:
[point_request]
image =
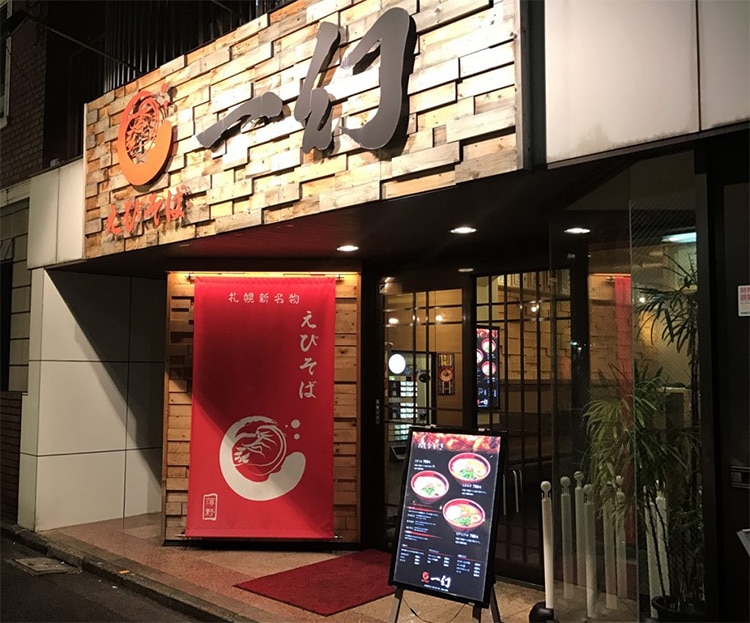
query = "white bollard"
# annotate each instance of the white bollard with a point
(608, 535)
(661, 535)
(590, 549)
(620, 550)
(650, 520)
(567, 536)
(656, 519)
(548, 545)
(580, 531)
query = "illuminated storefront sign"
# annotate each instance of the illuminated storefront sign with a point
(168, 207)
(144, 139)
(144, 143)
(392, 33)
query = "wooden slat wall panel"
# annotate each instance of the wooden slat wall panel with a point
(178, 406)
(462, 91)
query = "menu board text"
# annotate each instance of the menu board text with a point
(447, 531)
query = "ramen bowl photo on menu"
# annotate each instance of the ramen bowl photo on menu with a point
(468, 467)
(463, 515)
(429, 485)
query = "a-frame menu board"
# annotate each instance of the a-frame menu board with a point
(446, 536)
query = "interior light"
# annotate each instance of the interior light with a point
(534, 308)
(463, 229)
(641, 299)
(396, 363)
(439, 318)
(577, 230)
(347, 248)
(681, 238)
(466, 269)
(392, 320)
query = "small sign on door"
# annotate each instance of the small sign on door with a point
(743, 300)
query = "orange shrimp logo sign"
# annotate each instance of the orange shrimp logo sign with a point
(145, 137)
(144, 143)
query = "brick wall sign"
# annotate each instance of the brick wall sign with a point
(317, 106)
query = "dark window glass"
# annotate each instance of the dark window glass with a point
(3, 41)
(6, 288)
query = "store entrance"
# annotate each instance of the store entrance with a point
(424, 382)
(523, 374)
(493, 354)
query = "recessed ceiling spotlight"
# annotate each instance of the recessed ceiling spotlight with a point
(347, 248)
(466, 269)
(463, 229)
(577, 230)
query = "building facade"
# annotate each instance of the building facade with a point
(596, 155)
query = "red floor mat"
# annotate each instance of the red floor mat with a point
(330, 586)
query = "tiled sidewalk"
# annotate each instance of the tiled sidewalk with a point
(200, 581)
(204, 579)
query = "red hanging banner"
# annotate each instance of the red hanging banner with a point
(261, 444)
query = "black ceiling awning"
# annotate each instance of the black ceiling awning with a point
(510, 212)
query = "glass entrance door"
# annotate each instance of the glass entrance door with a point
(423, 377)
(523, 377)
(515, 362)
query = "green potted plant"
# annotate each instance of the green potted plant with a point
(633, 434)
(675, 310)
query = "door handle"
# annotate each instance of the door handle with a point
(515, 487)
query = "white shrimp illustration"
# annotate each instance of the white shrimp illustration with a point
(254, 461)
(260, 445)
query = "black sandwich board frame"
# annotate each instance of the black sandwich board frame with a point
(431, 556)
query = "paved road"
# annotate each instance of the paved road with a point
(68, 597)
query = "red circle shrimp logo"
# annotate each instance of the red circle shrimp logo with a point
(145, 137)
(254, 460)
